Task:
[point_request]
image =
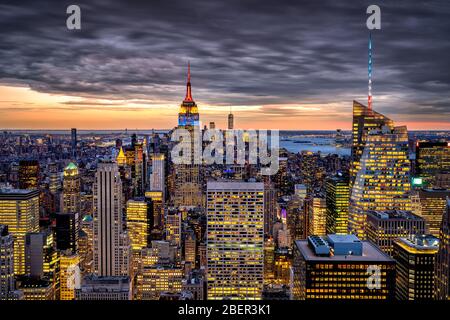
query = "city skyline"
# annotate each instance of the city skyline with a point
(281, 70)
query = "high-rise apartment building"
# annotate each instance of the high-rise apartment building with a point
(19, 210)
(235, 240)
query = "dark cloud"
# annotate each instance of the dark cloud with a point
(242, 52)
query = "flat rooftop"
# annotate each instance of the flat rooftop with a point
(370, 254)
(231, 186)
(394, 215)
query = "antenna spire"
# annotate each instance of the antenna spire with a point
(369, 99)
(188, 85)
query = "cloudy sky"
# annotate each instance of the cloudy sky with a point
(277, 64)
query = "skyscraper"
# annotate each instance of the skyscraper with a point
(139, 223)
(383, 227)
(188, 185)
(230, 121)
(71, 189)
(19, 210)
(339, 267)
(107, 219)
(433, 203)
(442, 263)
(364, 120)
(415, 258)
(73, 133)
(432, 158)
(29, 174)
(67, 230)
(157, 177)
(382, 181)
(337, 202)
(235, 240)
(7, 281)
(173, 226)
(69, 274)
(316, 210)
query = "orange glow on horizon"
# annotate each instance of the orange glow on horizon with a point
(24, 108)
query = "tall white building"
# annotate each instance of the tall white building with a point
(235, 240)
(157, 177)
(108, 220)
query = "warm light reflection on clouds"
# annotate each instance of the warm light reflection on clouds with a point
(23, 108)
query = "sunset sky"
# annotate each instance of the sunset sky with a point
(276, 64)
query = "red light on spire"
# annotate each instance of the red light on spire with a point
(188, 85)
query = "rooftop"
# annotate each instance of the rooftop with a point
(370, 253)
(394, 214)
(232, 185)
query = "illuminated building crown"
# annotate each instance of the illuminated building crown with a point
(188, 115)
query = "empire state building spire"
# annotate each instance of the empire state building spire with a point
(188, 85)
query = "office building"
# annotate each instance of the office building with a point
(432, 159)
(29, 174)
(341, 267)
(337, 202)
(95, 287)
(139, 218)
(19, 210)
(382, 181)
(316, 211)
(442, 264)
(383, 227)
(7, 281)
(107, 219)
(235, 240)
(157, 177)
(69, 274)
(432, 208)
(71, 189)
(415, 258)
(67, 231)
(155, 280)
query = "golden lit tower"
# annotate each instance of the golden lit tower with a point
(383, 179)
(19, 210)
(364, 120)
(71, 189)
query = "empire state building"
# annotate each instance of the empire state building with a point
(188, 178)
(188, 115)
